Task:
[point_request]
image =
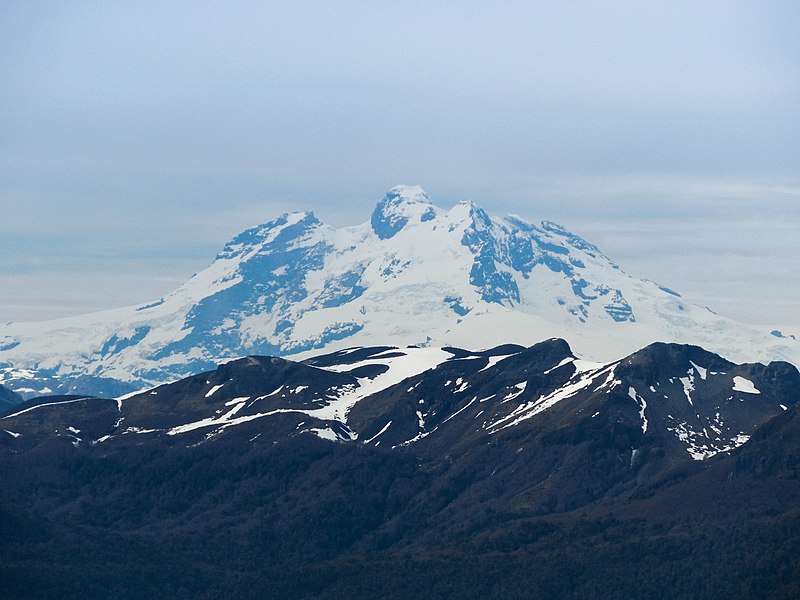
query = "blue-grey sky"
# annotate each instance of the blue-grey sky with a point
(137, 137)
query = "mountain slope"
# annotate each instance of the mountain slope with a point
(413, 472)
(414, 274)
(8, 398)
(661, 406)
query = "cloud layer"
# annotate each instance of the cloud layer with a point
(136, 138)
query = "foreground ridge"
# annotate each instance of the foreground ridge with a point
(666, 400)
(405, 472)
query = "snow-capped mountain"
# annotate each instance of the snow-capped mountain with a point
(414, 274)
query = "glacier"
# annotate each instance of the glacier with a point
(414, 274)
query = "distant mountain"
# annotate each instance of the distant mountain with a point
(414, 274)
(8, 398)
(413, 472)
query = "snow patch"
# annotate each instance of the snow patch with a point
(460, 410)
(239, 400)
(493, 360)
(740, 384)
(700, 370)
(688, 386)
(381, 432)
(411, 362)
(38, 406)
(462, 385)
(579, 381)
(214, 390)
(566, 361)
(642, 403)
(325, 434)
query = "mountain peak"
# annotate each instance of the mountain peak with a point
(401, 205)
(286, 225)
(409, 193)
(416, 274)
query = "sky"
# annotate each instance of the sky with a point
(136, 138)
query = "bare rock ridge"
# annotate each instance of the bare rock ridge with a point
(664, 404)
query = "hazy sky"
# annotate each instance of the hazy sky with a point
(137, 137)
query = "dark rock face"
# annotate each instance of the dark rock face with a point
(8, 398)
(540, 471)
(659, 407)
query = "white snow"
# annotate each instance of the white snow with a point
(325, 434)
(689, 437)
(520, 387)
(213, 390)
(740, 384)
(610, 381)
(405, 279)
(700, 370)
(221, 422)
(493, 360)
(38, 406)
(579, 381)
(642, 403)
(584, 366)
(460, 410)
(416, 438)
(688, 386)
(239, 400)
(273, 393)
(699, 444)
(566, 361)
(238, 404)
(140, 430)
(740, 439)
(411, 362)
(461, 385)
(381, 432)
